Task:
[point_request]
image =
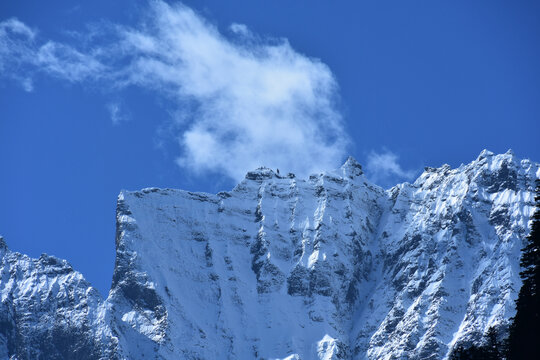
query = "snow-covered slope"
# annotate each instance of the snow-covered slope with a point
(449, 261)
(49, 311)
(267, 270)
(330, 267)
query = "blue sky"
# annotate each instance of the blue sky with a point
(103, 96)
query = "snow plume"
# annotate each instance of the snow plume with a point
(246, 101)
(383, 168)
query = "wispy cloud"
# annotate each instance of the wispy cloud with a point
(117, 113)
(22, 55)
(16, 42)
(239, 29)
(251, 101)
(67, 63)
(383, 168)
(27, 84)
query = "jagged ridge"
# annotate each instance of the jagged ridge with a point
(331, 267)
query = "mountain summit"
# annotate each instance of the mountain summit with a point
(329, 267)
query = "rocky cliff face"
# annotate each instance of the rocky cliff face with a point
(449, 258)
(48, 310)
(330, 267)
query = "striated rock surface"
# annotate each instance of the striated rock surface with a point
(330, 267)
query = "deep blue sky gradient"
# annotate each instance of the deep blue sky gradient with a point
(432, 81)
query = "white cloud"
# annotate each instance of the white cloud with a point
(27, 84)
(252, 101)
(17, 27)
(383, 168)
(65, 62)
(15, 44)
(239, 29)
(257, 104)
(20, 52)
(117, 114)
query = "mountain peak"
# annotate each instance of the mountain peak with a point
(484, 154)
(260, 173)
(352, 168)
(296, 247)
(3, 245)
(264, 173)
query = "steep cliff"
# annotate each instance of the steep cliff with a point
(330, 267)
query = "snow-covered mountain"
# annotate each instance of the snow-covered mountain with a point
(330, 267)
(48, 310)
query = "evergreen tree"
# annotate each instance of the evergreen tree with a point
(493, 346)
(459, 353)
(490, 350)
(524, 339)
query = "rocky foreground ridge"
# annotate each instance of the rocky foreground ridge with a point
(330, 267)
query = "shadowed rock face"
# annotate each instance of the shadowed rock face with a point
(332, 267)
